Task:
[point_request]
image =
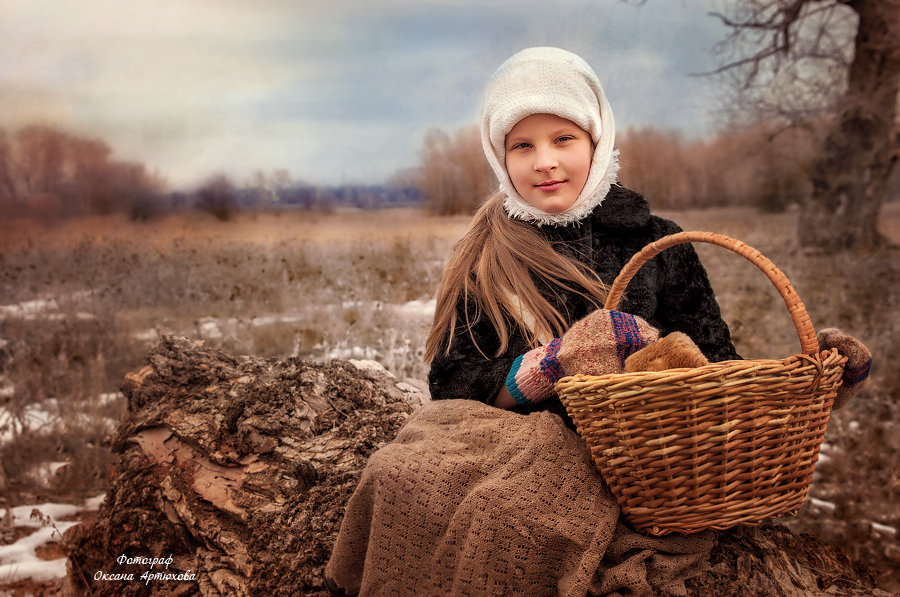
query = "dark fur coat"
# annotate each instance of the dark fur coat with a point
(671, 292)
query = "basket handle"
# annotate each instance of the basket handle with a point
(808, 343)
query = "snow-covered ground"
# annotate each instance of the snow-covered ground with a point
(45, 417)
(393, 334)
(34, 417)
(19, 560)
(43, 308)
(214, 328)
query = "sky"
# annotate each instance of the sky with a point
(333, 91)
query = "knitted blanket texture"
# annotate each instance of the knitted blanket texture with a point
(474, 500)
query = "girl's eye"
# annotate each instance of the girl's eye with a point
(564, 138)
(520, 146)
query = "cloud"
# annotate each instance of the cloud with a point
(332, 91)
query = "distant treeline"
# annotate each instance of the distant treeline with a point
(51, 173)
(220, 197)
(762, 166)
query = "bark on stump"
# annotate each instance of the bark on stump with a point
(240, 468)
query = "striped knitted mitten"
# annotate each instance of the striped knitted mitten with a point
(859, 362)
(595, 345)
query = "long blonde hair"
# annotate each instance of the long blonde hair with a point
(494, 268)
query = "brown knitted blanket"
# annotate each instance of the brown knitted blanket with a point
(474, 500)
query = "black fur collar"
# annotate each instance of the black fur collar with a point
(622, 208)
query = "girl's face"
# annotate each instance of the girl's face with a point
(548, 159)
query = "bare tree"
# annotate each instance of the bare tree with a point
(49, 172)
(41, 151)
(91, 174)
(454, 175)
(218, 197)
(800, 59)
(8, 190)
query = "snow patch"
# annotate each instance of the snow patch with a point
(19, 561)
(46, 308)
(108, 398)
(150, 336)
(360, 353)
(419, 308)
(882, 530)
(265, 320)
(45, 417)
(821, 506)
(209, 328)
(369, 365)
(28, 309)
(46, 471)
(41, 416)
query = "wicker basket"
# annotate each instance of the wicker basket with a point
(712, 447)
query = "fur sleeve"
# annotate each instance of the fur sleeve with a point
(467, 373)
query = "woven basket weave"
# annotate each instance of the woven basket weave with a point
(712, 447)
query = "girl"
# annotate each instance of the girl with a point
(470, 499)
(540, 252)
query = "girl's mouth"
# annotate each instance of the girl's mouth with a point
(550, 185)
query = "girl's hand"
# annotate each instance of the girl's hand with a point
(859, 362)
(595, 345)
(600, 343)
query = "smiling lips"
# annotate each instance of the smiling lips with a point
(550, 186)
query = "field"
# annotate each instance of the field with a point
(81, 302)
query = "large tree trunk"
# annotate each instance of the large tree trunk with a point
(851, 174)
(239, 469)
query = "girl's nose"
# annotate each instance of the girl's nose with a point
(545, 159)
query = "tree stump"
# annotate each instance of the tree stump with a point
(233, 472)
(238, 468)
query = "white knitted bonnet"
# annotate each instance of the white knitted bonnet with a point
(549, 81)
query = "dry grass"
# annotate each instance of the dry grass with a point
(81, 301)
(355, 285)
